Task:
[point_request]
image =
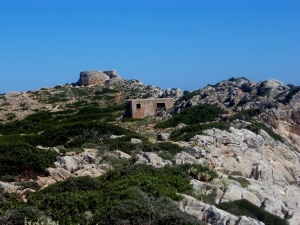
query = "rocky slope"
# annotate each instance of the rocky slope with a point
(251, 165)
(280, 104)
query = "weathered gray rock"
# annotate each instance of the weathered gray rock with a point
(154, 160)
(59, 173)
(175, 93)
(121, 154)
(70, 163)
(183, 157)
(90, 157)
(163, 136)
(195, 151)
(9, 187)
(135, 141)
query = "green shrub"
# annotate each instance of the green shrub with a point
(193, 115)
(116, 162)
(246, 208)
(186, 133)
(243, 182)
(256, 126)
(236, 173)
(89, 145)
(29, 184)
(247, 114)
(188, 95)
(7, 178)
(17, 216)
(139, 208)
(24, 159)
(106, 91)
(173, 149)
(11, 116)
(76, 150)
(199, 172)
(262, 90)
(293, 90)
(165, 155)
(125, 190)
(208, 196)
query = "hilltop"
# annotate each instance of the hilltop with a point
(227, 152)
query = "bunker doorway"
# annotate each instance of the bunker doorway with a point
(161, 105)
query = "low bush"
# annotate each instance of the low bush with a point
(29, 184)
(247, 114)
(293, 90)
(116, 162)
(129, 191)
(188, 95)
(246, 208)
(24, 159)
(243, 182)
(165, 155)
(256, 126)
(106, 91)
(208, 196)
(199, 172)
(17, 216)
(139, 208)
(173, 149)
(193, 115)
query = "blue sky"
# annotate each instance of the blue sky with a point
(168, 43)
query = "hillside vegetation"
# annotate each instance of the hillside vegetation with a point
(132, 178)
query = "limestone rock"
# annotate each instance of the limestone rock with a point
(70, 163)
(154, 160)
(9, 187)
(121, 154)
(135, 141)
(175, 93)
(183, 157)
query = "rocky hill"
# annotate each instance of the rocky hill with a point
(228, 153)
(279, 104)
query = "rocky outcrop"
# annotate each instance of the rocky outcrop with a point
(175, 93)
(86, 163)
(96, 77)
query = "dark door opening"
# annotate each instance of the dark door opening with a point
(161, 105)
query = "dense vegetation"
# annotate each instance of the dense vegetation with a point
(136, 194)
(129, 193)
(193, 115)
(187, 132)
(17, 158)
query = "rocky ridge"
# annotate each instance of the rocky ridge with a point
(18, 105)
(280, 104)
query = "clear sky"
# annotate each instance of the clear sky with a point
(167, 43)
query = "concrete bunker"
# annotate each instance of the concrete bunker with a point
(140, 108)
